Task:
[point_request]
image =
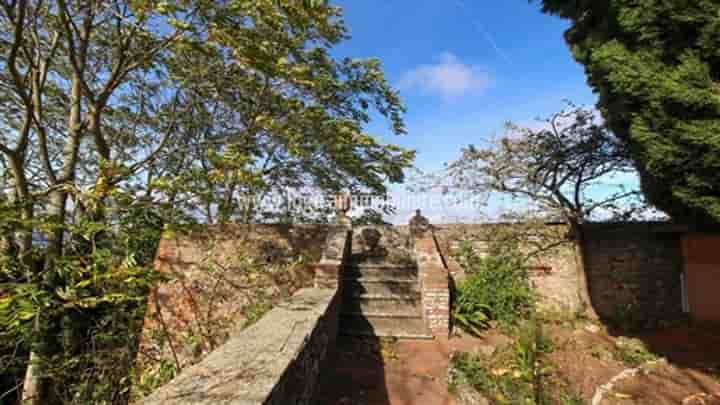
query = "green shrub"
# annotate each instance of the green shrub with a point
(632, 352)
(496, 288)
(520, 373)
(501, 385)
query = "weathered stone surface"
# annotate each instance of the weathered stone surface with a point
(275, 361)
(335, 245)
(381, 288)
(633, 269)
(434, 285)
(633, 272)
(467, 395)
(335, 253)
(553, 273)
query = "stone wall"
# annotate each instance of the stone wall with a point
(176, 253)
(553, 270)
(434, 285)
(338, 245)
(275, 361)
(217, 277)
(278, 359)
(634, 271)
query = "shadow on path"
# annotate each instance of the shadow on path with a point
(356, 375)
(404, 372)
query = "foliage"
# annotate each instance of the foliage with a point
(496, 287)
(223, 292)
(121, 117)
(255, 311)
(655, 67)
(562, 171)
(147, 380)
(632, 352)
(562, 168)
(518, 374)
(371, 216)
(83, 315)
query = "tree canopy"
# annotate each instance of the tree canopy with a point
(655, 66)
(117, 117)
(562, 170)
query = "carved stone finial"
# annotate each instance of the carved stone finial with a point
(419, 224)
(371, 239)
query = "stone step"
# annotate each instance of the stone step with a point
(380, 287)
(389, 273)
(374, 326)
(383, 306)
(350, 296)
(380, 263)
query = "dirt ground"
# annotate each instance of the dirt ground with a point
(684, 368)
(404, 372)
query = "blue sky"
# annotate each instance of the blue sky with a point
(464, 68)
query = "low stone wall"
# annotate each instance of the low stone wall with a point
(434, 285)
(275, 361)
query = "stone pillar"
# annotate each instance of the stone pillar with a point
(343, 204)
(434, 276)
(335, 253)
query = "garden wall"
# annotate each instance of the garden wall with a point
(219, 277)
(278, 359)
(553, 272)
(634, 271)
(275, 361)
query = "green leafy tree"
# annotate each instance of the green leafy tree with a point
(120, 117)
(655, 67)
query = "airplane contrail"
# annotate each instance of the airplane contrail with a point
(486, 34)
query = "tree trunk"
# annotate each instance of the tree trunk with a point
(32, 393)
(35, 387)
(22, 195)
(583, 285)
(32, 385)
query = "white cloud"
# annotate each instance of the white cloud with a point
(449, 78)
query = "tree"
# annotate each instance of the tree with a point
(655, 67)
(120, 116)
(561, 169)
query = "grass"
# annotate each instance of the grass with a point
(632, 352)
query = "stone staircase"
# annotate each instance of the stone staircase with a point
(381, 297)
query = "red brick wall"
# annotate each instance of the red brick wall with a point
(701, 264)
